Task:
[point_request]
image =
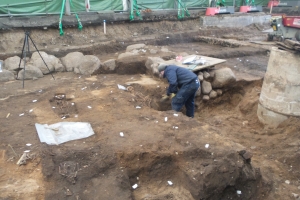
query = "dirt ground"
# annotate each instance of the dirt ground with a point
(152, 151)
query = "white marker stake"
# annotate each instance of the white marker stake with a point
(104, 26)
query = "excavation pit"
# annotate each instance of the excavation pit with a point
(64, 107)
(137, 140)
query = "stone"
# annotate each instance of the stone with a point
(206, 75)
(109, 65)
(247, 155)
(51, 61)
(89, 65)
(212, 74)
(295, 195)
(152, 64)
(127, 54)
(59, 67)
(131, 65)
(200, 77)
(205, 97)
(72, 60)
(219, 92)
(6, 75)
(213, 94)
(135, 51)
(223, 77)
(30, 73)
(135, 46)
(164, 49)
(12, 63)
(153, 51)
(206, 87)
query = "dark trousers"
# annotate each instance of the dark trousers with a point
(186, 96)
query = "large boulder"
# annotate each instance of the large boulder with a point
(72, 60)
(53, 63)
(30, 72)
(206, 87)
(135, 47)
(6, 75)
(223, 77)
(131, 65)
(152, 69)
(12, 63)
(127, 54)
(89, 65)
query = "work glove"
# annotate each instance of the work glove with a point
(164, 98)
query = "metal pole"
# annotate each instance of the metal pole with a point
(26, 43)
(67, 8)
(104, 26)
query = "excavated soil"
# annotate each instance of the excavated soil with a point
(152, 151)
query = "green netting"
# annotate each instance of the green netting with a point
(195, 4)
(54, 6)
(239, 3)
(30, 7)
(170, 4)
(156, 4)
(98, 5)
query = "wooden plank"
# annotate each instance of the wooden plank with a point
(209, 62)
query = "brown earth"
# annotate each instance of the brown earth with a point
(152, 151)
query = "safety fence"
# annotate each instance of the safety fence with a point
(46, 7)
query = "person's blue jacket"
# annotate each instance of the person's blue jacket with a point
(177, 77)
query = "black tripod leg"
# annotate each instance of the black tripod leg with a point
(21, 57)
(41, 56)
(26, 43)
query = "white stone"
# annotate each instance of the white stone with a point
(134, 186)
(170, 183)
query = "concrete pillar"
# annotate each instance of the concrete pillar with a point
(280, 93)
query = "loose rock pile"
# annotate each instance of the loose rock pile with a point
(214, 81)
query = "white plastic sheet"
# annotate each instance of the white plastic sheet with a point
(63, 132)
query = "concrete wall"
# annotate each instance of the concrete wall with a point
(235, 20)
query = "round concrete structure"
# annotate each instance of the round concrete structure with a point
(280, 93)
